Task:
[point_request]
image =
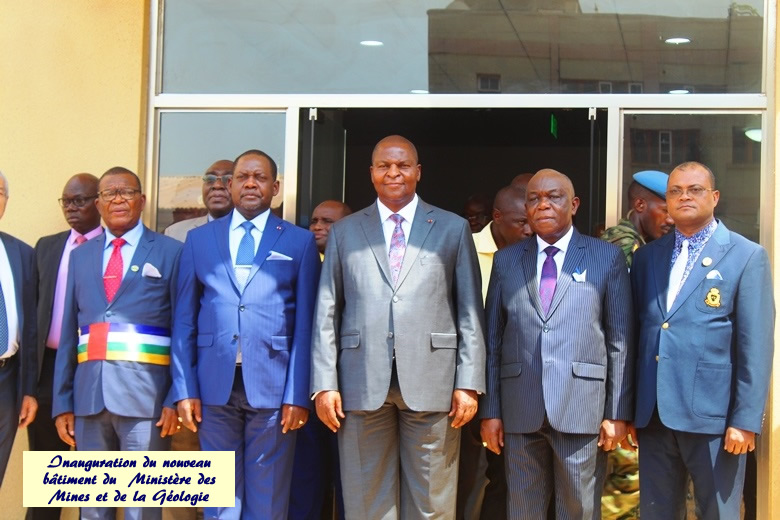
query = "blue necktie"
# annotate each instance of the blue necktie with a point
(246, 248)
(3, 324)
(549, 278)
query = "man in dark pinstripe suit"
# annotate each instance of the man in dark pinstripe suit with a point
(560, 358)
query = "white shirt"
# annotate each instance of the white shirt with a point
(407, 212)
(9, 295)
(132, 238)
(562, 244)
(237, 232)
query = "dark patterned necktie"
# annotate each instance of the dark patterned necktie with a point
(549, 278)
(397, 247)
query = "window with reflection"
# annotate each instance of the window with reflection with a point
(192, 142)
(730, 144)
(462, 46)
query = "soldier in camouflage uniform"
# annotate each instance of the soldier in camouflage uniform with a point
(647, 220)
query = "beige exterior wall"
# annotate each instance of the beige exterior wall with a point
(72, 99)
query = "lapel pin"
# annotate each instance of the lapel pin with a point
(134, 268)
(707, 261)
(279, 228)
(430, 221)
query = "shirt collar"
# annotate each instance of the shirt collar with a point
(484, 241)
(89, 235)
(562, 243)
(132, 237)
(697, 238)
(407, 212)
(259, 221)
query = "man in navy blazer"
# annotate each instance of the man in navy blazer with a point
(18, 356)
(560, 353)
(241, 340)
(112, 372)
(705, 310)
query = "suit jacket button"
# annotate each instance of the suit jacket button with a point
(656, 359)
(546, 329)
(395, 299)
(235, 337)
(109, 314)
(241, 308)
(665, 325)
(390, 335)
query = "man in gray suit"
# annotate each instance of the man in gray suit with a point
(560, 358)
(215, 197)
(398, 346)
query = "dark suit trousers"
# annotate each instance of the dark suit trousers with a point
(666, 457)
(9, 412)
(42, 432)
(538, 464)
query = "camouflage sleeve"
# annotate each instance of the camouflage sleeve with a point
(624, 239)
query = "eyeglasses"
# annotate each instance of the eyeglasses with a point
(125, 193)
(693, 191)
(79, 202)
(210, 178)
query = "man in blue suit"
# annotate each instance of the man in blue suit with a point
(560, 353)
(112, 371)
(18, 355)
(242, 338)
(703, 297)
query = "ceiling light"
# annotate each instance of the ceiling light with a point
(678, 40)
(371, 43)
(418, 91)
(754, 134)
(679, 91)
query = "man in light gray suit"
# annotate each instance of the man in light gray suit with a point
(398, 349)
(560, 358)
(215, 197)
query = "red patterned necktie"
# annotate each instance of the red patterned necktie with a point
(113, 276)
(397, 247)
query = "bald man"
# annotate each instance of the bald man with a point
(52, 257)
(323, 216)
(560, 358)
(215, 197)
(398, 345)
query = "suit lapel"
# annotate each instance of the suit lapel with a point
(717, 246)
(662, 265)
(372, 228)
(221, 230)
(97, 265)
(15, 261)
(528, 261)
(273, 230)
(572, 261)
(138, 260)
(421, 226)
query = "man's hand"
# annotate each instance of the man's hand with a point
(328, 406)
(739, 441)
(169, 422)
(28, 411)
(492, 433)
(293, 417)
(611, 434)
(464, 406)
(631, 442)
(189, 411)
(66, 427)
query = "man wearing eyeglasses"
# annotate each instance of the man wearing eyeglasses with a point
(52, 257)
(112, 375)
(704, 306)
(215, 197)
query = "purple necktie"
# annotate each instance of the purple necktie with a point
(549, 278)
(397, 247)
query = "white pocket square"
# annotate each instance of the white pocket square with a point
(150, 271)
(273, 255)
(579, 277)
(714, 275)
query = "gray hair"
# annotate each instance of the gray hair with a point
(5, 182)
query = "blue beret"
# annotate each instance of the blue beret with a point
(653, 180)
